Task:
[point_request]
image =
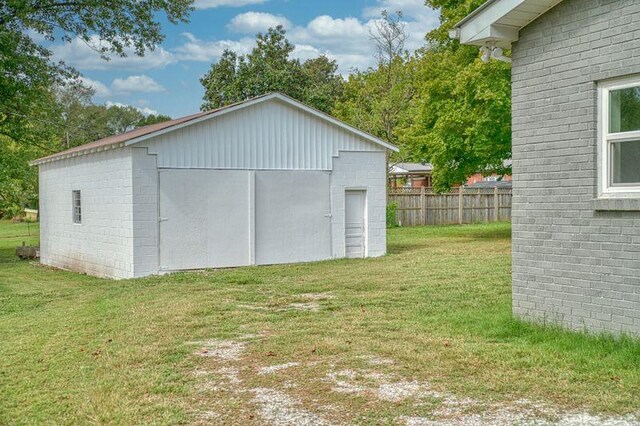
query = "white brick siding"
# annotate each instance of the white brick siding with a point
(575, 261)
(102, 244)
(360, 170)
(145, 213)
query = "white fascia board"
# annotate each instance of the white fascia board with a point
(482, 27)
(498, 22)
(281, 97)
(498, 35)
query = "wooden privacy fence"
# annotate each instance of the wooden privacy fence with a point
(422, 206)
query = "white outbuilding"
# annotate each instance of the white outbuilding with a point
(266, 181)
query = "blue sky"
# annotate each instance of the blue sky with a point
(166, 80)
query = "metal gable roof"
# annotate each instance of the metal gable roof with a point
(137, 135)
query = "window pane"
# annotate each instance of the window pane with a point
(625, 163)
(624, 110)
(76, 206)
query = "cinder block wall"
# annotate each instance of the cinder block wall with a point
(102, 244)
(145, 213)
(572, 263)
(360, 170)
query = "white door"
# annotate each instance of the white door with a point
(293, 220)
(204, 219)
(355, 224)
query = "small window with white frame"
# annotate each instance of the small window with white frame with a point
(619, 112)
(76, 206)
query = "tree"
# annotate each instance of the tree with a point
(67, 118)
(32, 121)
(109, 27)
(377, 100)
(463, 115)
(270, 68)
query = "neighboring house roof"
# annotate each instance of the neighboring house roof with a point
(498, 22)
(146, 132)
(411, 168)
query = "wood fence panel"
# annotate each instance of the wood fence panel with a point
(422, 206)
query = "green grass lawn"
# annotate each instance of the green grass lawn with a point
(435, 312)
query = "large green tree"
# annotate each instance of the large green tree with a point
(32, 123)
(463, 114)
(269, 67)
(110, 27)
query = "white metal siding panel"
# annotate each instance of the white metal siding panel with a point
(205, 219)
(267, 136)
(293, 221)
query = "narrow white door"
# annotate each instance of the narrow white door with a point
(355, 226)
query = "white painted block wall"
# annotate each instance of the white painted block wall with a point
(118, 237)
(102, 245)
(360, 170)
(145, 213)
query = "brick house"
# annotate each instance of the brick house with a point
(576, 155)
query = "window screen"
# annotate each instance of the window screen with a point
(77, 207)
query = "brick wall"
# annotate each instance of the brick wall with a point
(102, 244)
(360, 170)
(575, 261)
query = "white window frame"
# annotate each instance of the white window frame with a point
(76, 210)
(605, 188)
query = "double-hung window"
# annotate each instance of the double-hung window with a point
(76, 206)
(619, 128)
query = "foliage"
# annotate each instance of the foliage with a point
(377, 100)
(109, 27)
(36, 120)
(442, 106)
(269, 68)
(463, 115)
(67, 118)
(392, 220)
(462, 123)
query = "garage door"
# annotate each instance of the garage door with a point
(293, 222)
(204, 219)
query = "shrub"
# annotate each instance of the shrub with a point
(392, 208)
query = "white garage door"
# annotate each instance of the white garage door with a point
(204, 219)
(293, 222)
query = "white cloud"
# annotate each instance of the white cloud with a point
(254, 22)
(211, 4)
(101, 89)
(419, 18)
(144, 110)
(136, 83)
(347, 40)
(207, 51)
(83, 56)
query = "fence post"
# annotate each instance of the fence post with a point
(423, 207)
(496, 204)
(460, 204)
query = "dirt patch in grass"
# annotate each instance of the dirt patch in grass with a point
(278, 408)
(230, 349)
(275, 368)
